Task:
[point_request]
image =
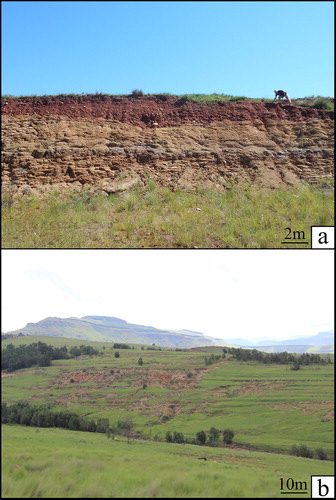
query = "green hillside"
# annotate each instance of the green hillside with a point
(270, 409)
(69, 464)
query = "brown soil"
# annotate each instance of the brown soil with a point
(176, 379)
(104, 379)
(257, 387)
(165, 111)
(113, 143)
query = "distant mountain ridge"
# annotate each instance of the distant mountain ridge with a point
(111, 329)
(321, 338)
(321, 342)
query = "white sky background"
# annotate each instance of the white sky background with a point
(251, 294)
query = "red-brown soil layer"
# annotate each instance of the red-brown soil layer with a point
(164, 111)
(110, 144)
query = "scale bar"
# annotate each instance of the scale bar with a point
(294, 492)
(294, 243)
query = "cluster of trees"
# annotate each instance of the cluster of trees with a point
(151, 348)
(213, 358)
(81, 350)
(121, 346)
(124, 428)
(117, 345)
(274, 357)
(41, 416)
(210, 437)
(23, 413)
(6, 336)
(303, 451)
(39, 353)
(176, 437)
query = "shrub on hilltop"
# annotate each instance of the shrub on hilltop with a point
(137, 93)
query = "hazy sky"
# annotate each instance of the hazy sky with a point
(272, 294)
(236, 48)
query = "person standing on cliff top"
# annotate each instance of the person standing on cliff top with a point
(280, 94)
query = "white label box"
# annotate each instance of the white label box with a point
(322, 486)
(322, 237)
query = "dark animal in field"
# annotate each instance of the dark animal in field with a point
(202, 458)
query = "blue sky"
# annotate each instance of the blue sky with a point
(236, 48)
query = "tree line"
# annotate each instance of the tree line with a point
(210, 437)
(213, 358)
(275, 357)
(40, 354)
(6, 336)
(303, 451)
(23, 413)
(117, 345)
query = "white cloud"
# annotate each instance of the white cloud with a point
(224, 293)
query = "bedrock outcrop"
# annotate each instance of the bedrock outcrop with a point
(115, 143)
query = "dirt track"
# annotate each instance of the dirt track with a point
(112, 143)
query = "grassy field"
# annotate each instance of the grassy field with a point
(57, 463)
(158, 217)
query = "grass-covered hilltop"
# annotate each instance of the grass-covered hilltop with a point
(99, 419)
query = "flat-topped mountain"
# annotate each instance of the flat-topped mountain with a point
(111, 329)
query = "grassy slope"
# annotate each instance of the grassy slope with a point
(55, 463)
(270, 407)
(157, 217)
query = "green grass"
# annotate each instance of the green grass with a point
(319, 102)
(56, 463)
(269, 407)
(157, 217)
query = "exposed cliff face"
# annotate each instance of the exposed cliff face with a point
(114, 143)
